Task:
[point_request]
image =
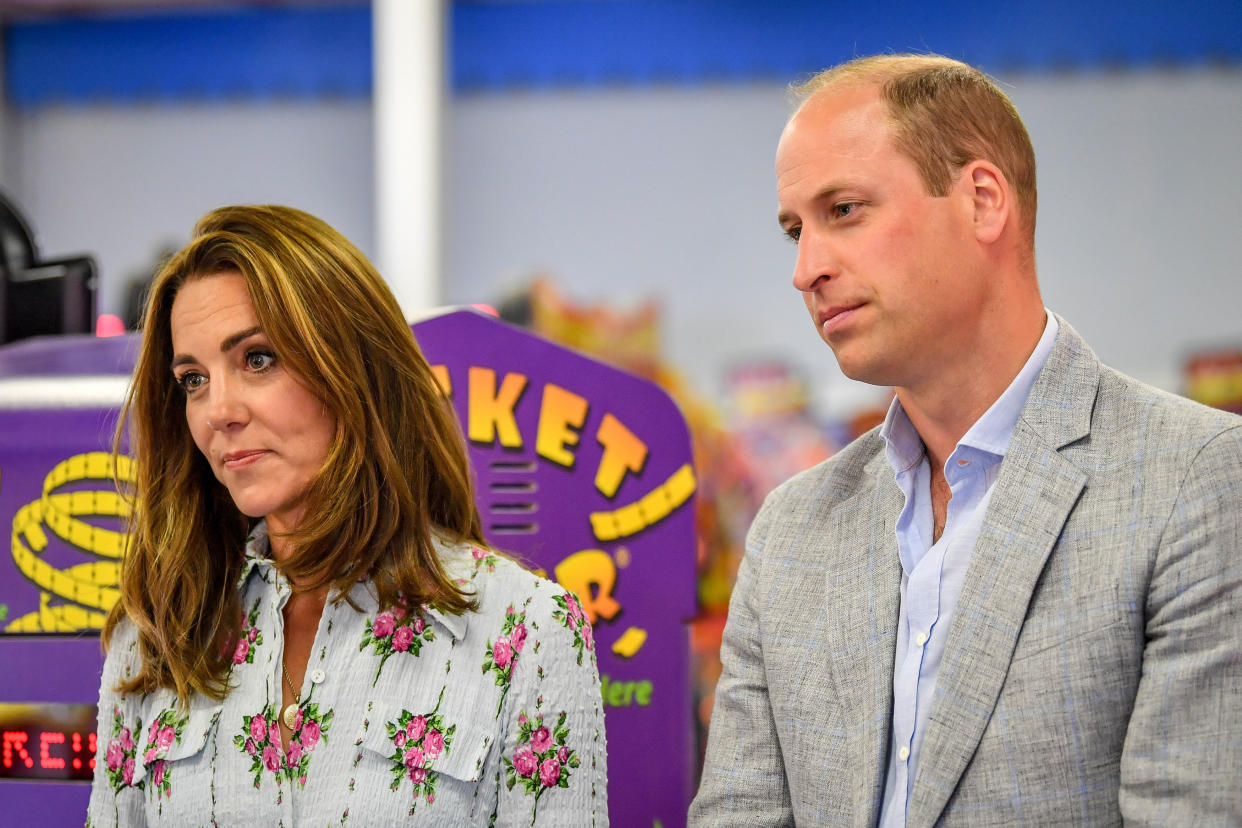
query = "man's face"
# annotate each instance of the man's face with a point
(890, 274)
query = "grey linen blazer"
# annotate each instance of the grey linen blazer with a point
(1093, 669)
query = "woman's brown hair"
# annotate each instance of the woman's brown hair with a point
(396, 473)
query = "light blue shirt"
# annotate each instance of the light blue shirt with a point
(933, 573)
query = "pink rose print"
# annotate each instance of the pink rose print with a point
(434, 743)
(502, 653)
(127, 772)
(127, 740)
(524, 761)
(310, 734)
(540, 739)
(249, 637)
(542, 759)
(294, 754)
(549, 771)
(383, 626)
(260, 739)
(572, 616)
(401, 639)
(418, 741)
(479, 554)
(115, 755)
(164, 732)
(390, 633)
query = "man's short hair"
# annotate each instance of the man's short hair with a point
(945, 115)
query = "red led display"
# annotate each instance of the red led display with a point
(47, 741)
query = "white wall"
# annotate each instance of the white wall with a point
(671, 193)
(122, 182)
(622, 194)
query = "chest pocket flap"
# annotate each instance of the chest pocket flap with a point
(171, 735)
(433, 741)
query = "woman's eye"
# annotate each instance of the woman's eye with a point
(190, 381)
(259, 360)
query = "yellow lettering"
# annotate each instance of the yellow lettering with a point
(491, 410)
(560, 413)
(586, 569)
(440, 372)
(623, 452)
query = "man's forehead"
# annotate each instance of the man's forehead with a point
(852, 122)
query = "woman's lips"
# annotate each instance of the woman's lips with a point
(241, 459)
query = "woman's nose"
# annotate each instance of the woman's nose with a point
(227, 410)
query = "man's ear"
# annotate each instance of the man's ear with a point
(991, 198)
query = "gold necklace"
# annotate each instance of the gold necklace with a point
(290, 714)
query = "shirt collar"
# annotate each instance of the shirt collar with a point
(457, 562)
(991, 432)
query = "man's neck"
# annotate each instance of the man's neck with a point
(944, 408)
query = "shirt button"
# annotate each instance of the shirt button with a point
(317, 676)
(920, 639)
(903, 754)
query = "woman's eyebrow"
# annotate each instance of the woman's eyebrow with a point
(228, 344)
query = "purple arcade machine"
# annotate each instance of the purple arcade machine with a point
(583, 471)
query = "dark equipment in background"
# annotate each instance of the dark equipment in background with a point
(40, 297)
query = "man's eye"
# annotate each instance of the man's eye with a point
(793, 234)
(190, 381)
(845, 209)
(259, 360)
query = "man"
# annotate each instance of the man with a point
(1019, 601)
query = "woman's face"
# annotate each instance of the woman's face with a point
(264, 434)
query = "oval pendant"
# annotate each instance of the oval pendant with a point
(290, 715)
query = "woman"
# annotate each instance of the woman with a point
(311, 628)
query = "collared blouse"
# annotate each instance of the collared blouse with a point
(405, 716)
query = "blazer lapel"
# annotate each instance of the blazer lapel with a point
(863, 594)
(1033, 496)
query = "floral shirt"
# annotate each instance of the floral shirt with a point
(406, 716)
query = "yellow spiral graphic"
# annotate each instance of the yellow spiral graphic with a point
(91, 587)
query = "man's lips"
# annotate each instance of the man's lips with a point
(243, 458)
(832, 318)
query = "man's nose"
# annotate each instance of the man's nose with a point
(816, 262)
